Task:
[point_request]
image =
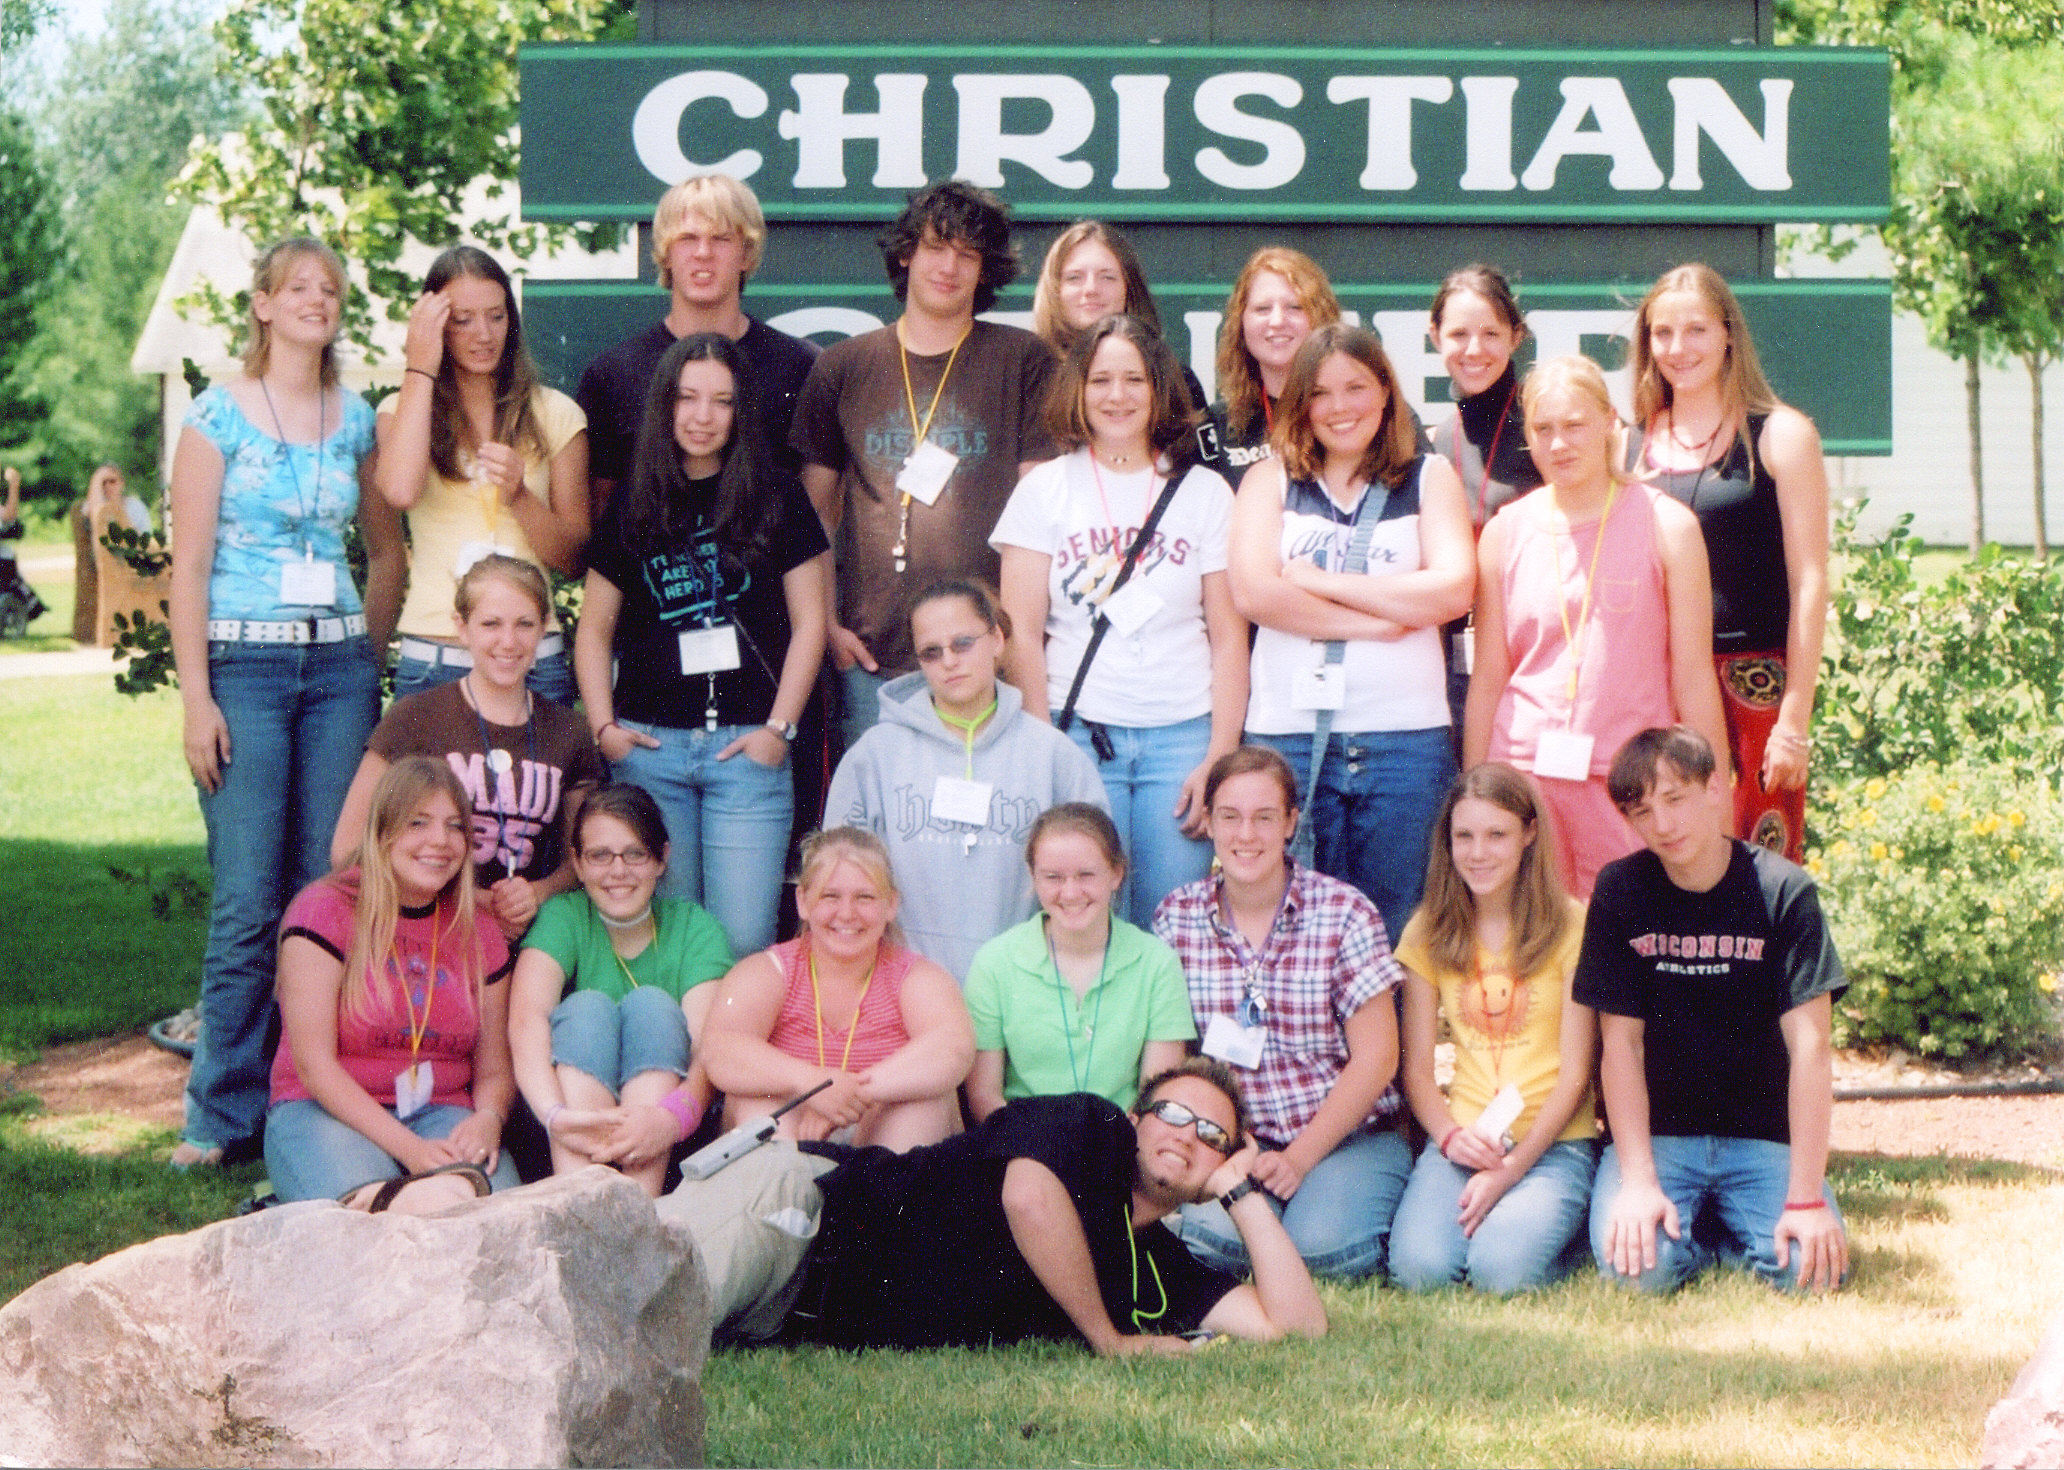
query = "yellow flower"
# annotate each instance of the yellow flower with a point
(1868, 817)
(1814, 866)
(2048, 981)
(2056, 892)
(2017, 818)
(1841, 848)
(1878, 852)
(1874, 788)
(1987, 824)
(2014, 853)
(1936, 804)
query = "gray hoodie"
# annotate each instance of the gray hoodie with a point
(955, 897)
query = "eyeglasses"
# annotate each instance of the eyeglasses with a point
(637, 859)
(1175, 1115)
(931, 653)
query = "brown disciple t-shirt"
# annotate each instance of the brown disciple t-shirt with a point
(853, 417)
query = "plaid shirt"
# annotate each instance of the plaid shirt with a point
(1326, 958)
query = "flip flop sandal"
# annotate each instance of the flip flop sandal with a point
(390, 1189)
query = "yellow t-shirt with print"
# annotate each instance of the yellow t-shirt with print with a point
(1506, 1028)
(455, 513)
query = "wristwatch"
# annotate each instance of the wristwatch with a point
(1238, 1192)
(785, 729)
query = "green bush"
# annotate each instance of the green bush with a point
(1944, 887)
(1968, 670)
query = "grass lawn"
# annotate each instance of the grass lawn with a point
(1956, 1270)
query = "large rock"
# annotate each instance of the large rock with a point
(562, 1324)
(2026, 1428)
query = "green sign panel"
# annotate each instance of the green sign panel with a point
(1826, 344)
(1152, 133)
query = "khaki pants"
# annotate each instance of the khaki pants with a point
(753, 1222)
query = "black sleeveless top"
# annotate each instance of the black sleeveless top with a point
(1492, 423)
(1736, 505)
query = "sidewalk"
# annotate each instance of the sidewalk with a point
(65, 661)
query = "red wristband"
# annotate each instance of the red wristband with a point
(1447, 1138)
(686, 1110)
(1812, 1204)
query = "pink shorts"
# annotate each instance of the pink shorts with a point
(1589, 830)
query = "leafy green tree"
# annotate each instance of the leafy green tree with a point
(28, 258)
(19, 20)
(375, 119)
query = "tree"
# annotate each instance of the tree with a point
(28, 257)
(19, 20)
(375, 119)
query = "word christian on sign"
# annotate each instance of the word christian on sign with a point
(1187, 132)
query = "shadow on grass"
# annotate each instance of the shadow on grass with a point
(99, 939)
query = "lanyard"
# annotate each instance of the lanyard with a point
(1705, 456)
(1153, 487)
(967, 730)
(489, 751)
(1081, 1078)
(852, 1026)
(1574, 639)
(1268, 413)
(418, 1029)
(1253, 1004)
(922, 428)
(1140, 1315)
(650, 913)
(322, 431)
(1480, 509)
(1504, 1033)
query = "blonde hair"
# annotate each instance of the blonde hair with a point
(1239, 380)
(824, 851)
(1394, 449)
(1577, 374)
(274, 264)
(1743, 388)
(718, 199)
(1540, 905)
(376, 898)
(495, 566)
(1048, 322)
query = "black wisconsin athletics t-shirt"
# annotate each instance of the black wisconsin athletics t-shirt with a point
(1710, 974)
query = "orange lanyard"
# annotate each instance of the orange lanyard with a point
(1574, 639)
(852, 1026)
(418, 1029)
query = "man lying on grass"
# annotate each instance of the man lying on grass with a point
(1709, 963)
(1044, 1222)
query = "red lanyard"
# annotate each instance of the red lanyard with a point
(1117, 532)
(1478, 510)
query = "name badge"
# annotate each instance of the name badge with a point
(955, 800)
(1495, 1122)
(924, 475)
(1563, 755)
(709, 650)
(308, 583)
(1465, 650)
(1234, 1044)
(412, 1089)
(1129, 608)
(1324, 687)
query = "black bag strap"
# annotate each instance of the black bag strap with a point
(1100, 625)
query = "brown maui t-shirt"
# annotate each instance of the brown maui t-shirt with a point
(853, 417)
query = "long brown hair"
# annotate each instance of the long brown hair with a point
(268, 273)
(1390, 454)
(515, 377)
(1048, 321)
(1540, 904)
(1171, 417)
(1743, 388)
(376, 899)
(1239, 380)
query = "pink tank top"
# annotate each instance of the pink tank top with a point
(1623, 684)
(878, 1032)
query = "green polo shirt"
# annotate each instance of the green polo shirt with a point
(688, 946)
(1052, 1043)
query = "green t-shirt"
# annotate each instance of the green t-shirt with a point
(687, 949)
(1052, 1043)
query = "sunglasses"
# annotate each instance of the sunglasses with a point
(1175, 1115)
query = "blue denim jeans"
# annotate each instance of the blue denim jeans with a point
(310, 1155)
(1339, 1218)
(1144, 781)
(1379, 793)
(298, 717)
(550, 678)
(1729, 1193)
(613, 1041)
(862, 692)
(1521, 1245)
(727, 820)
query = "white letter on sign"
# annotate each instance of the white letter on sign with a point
(984, 145)
(1617, 136)
(1487, 103)
(1216, 106)
(1390, 102)
(1759, 158)
(656, 126)
(820, 126)
(1142, 132)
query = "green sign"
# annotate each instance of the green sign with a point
(1826, 345)
(1209, 133)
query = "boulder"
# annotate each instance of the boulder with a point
(2026, 1428)
(560, 1324)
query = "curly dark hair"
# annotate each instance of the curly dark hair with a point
(955, 211)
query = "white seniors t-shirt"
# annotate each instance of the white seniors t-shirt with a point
(1157, 672)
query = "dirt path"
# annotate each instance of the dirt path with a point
(126, 1074)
